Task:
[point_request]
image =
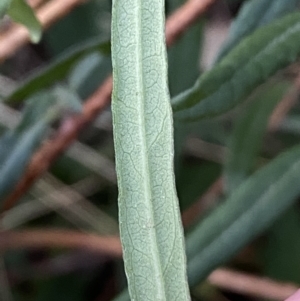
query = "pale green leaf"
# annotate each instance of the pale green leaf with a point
(254, 60)
(149, 215)
(254, 14)
(4, 5)
(247, 212)
(22, 12)
(248, 133)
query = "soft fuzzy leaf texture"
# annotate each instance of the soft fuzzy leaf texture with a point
(254, 14)
(248, 211)
(4, 5)
(150, 225)
(248, 133)
(254, 60)
(21, 12)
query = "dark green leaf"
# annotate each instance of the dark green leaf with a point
(58, 70)
(253, 61)
(88, 73)
(254, 14)
(248, 134)
(247, 212)
(281, 250)
(16, 150)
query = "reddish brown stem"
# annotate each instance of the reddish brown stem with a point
(41, 238)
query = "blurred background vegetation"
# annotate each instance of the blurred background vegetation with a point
(79, 191)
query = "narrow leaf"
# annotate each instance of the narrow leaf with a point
(20, 11)
(66, 99)
(150, 225)
(35, 109)
(247, 212)
(253, 61)
(58, 69)
(87, 75)
(248, 133)
(4, 5)
(48, 105)
(254, 14)
(18, 149)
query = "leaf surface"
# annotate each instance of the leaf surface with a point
(248, 211)
(87, 75)
(16, 150)
(250, 64)
(18, 145)
(248, 133)
(58, 69)
(21, 12)
(150, 226)
(252, 15)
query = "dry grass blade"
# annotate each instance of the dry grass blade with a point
(32, 209)
(250, 285)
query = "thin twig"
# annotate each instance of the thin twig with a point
(73, 206)
(32, 209)
(36, 3)
(250, 285)
(66, 134)
(70, 129)
(234, 281)
(294, 297)
(41, 238)
(17, 36)
(184, 17)
(205, 150)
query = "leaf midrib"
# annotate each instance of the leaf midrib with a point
(146, 169)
